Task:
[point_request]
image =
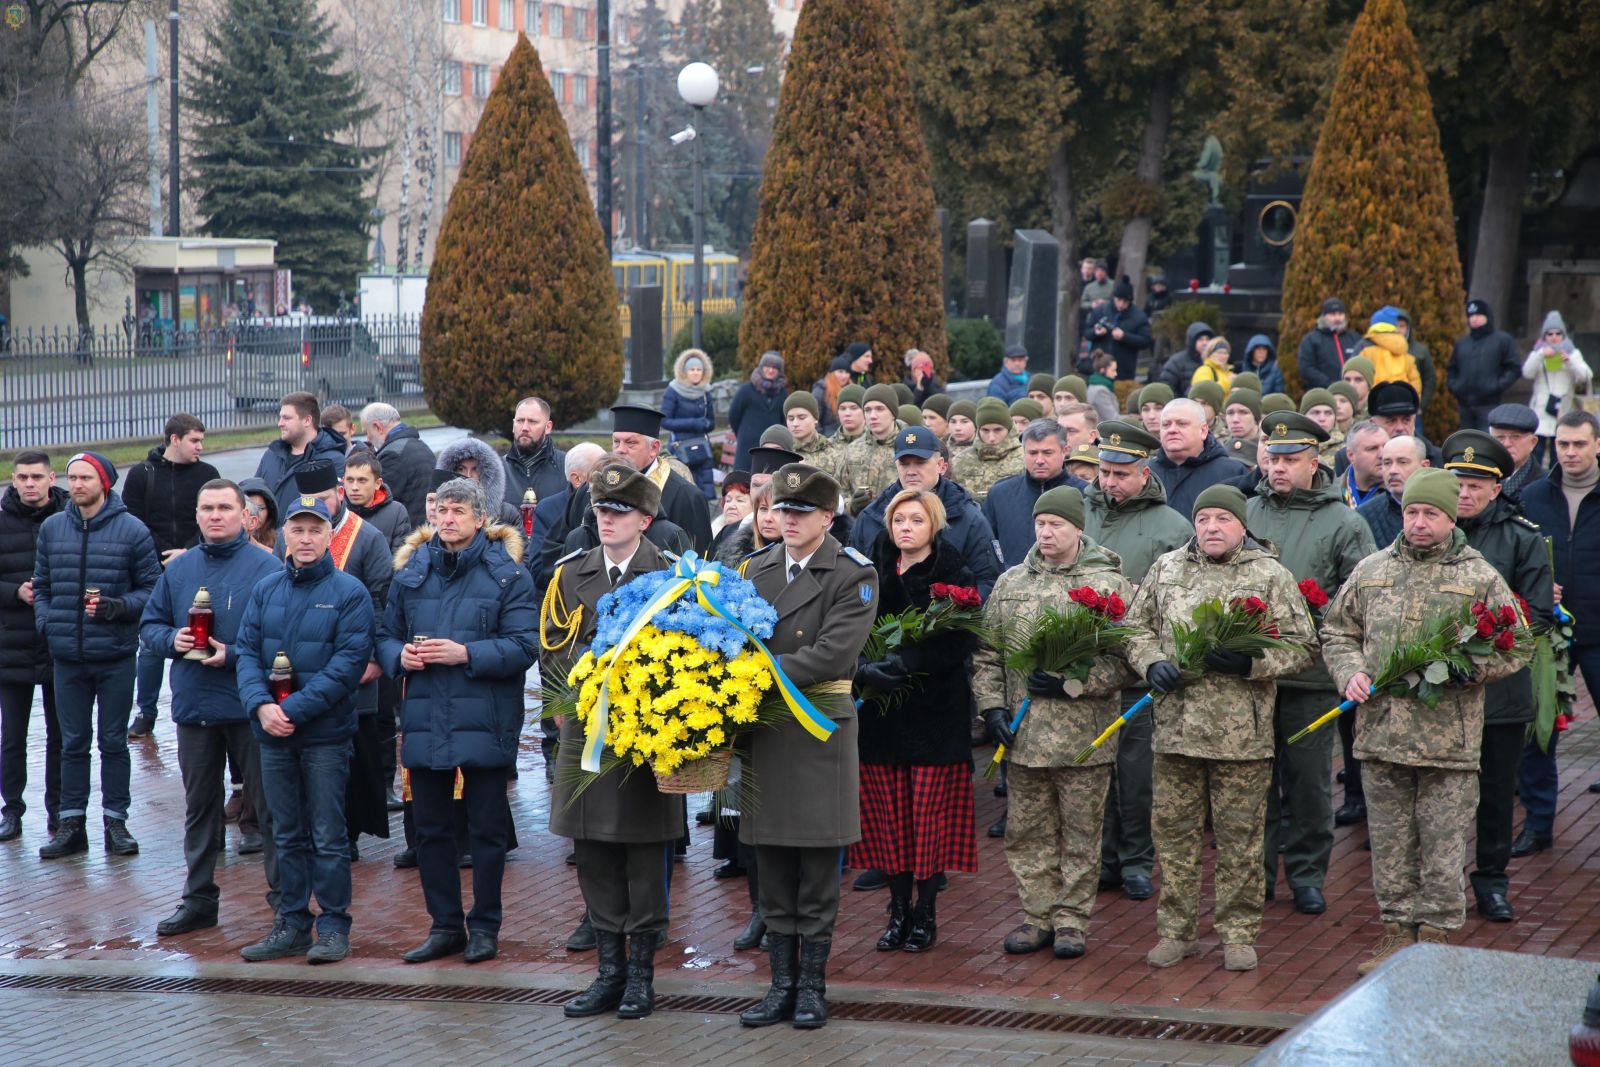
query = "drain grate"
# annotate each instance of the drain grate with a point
(1110, 1026)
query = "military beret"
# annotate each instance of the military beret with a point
(1064, 501)
(1245, 398)
(1207, 393)
(853, 394)
(939, 404)
(916, 441)
(1226, 497)
(1393, 398)
(1028, 408)
(910, 414)
(964, 408)
(903, 393)
(992, 411)
(882, 394)
(1156, 393)
(1288, 432)
(317, 476)
(779, 435)
(1362, 364)
(618, 487)
(1041, 383)
(636, 418)
(1474, 454)
(765, 459)
(802, 487)
(1277, 402)
(1318, 397)
(1348, 391)
(1248, 380)
(1071, 383)
(1437, 487)
(1125, 442)
(1513, 417)
(803, 401)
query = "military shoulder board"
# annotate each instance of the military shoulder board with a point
(574, 554)
(858, 557)
(1529, 523)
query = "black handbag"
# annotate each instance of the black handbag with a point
(692, 451)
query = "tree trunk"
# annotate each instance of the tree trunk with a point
(1494, 259)
(1064, 225)
(1147, 171)
(80, 294)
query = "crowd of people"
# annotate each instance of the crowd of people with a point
(349, 634)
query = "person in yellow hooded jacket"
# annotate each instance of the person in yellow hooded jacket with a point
(1391, 357)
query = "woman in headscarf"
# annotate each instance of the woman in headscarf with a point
(688, 413)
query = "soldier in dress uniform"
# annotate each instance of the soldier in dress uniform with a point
(826, 597)
(1495, 526)
(1419, 765)
(622, 827)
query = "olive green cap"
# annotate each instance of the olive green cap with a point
(903, 392)
(1440, 488)
(1207, 393)
(1063, 501)
(910, 414)
(1277, 402)
(962, 407)
(1071, 383)
(853, 394)
(1125, 442)
(1288, 432)
(1346, 390)
(802, 487)
(1028, 408)
(1318, 397)
(1041, 383)
(1246, 398)
(1362, 364)
(939, 404)
(804, 401)
(992, 412)
(1156, 393)
(1474, 454)
(618, 487)
(1084, 453)
(1248, 380)
(883, 394)
(1226, 497)
(778, 434)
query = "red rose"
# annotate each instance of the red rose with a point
(1272, 630)
(1115, 609)
(1253, 605)
(1504, 640)
(1508, 615)
(966, 596)
(1313, 593)
(940, 591)
(1479, 610)
(1087, 597)
(1485, 626)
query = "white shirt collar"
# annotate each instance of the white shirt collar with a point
(621, 564)
(790, 561)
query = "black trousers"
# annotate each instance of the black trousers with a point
(203, 752)
(627, 887)
(799, 889)
(16, 708)
(388, 710)
(1497, 809)
(483, 794)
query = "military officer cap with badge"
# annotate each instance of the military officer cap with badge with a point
(1123, 442)
(802, 487)
(618, 487)
(1289, 432)
(1086, 457)
(1474, 454)
(309, 505)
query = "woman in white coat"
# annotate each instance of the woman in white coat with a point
(1557, 369)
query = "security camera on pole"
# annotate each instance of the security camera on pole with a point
(697, 84)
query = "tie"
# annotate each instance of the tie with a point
(615, 572)
(794, 571)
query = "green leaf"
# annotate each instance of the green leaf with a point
(1437, 672)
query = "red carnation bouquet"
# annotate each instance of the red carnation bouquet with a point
(1067, 642)
(1243, 624)
(950, 607)
(1316, 596)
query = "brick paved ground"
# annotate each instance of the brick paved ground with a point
(98, 907)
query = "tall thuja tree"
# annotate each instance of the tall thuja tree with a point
(1376, 225)
(846, 245)
(272, 146)
(520, 294)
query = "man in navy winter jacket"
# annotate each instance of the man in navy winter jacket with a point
(1009, 506)
(461, 586)
(321, 619)
(212, 727)
(95, 569)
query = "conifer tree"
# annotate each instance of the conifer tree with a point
(520, 297)
(846, 244)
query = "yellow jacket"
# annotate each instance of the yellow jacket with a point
(1210, 372)
(1391, 357)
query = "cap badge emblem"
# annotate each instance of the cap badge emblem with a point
(1467, 455)
(307, 501)
(792, 481)
(613, 478)
(1116, 438)
(1280, 430)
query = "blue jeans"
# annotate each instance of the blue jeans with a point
(79, 687)
(304, 787)
(152, 666)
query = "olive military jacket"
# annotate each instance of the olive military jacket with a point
(1139, 530)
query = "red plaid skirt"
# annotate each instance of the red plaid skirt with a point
(916, 819)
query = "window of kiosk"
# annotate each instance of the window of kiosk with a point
(188, 306)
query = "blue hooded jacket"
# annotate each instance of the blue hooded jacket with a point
(112, 551)
(278, 465)
(206, 696)
(1270, 374)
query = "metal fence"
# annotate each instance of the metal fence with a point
(63, 387)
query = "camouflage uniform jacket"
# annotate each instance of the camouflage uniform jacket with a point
(956, 448)
(978, 467)
(1055, 730)
(1385, 602)
(870, 462)
(1218, 716)
(1138, 530)
(1318, 537)
(1330, 448)
(826, 454)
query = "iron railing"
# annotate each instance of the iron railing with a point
(66, 387)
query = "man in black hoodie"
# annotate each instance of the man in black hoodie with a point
(1324, 348)
(1483, 365)
(162, 492)
(32, 497)
(1178, 371)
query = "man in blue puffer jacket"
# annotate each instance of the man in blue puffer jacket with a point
(463, 587)
(321, 619)
(212, 728)
(95, 569)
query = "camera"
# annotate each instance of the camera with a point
(683, 136)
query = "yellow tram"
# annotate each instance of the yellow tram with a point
(673, 270)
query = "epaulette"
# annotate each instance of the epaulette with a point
(1529, 523)
(574, 554)
(858, 557)
(744, 563)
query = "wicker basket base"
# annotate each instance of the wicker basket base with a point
(701, 776)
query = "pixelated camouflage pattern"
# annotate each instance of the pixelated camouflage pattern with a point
(1237, 791)
(980, 466)
(1419, 818)
(1053, 817)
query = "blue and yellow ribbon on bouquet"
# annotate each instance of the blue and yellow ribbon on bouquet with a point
(692, 572)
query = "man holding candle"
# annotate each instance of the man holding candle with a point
(215, 578)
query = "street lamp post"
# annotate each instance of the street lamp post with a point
(697, 84)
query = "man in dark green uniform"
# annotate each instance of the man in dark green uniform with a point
(809, 808)
(1127, 512)
(622, 827)
(1299, 507)
(1495, 526)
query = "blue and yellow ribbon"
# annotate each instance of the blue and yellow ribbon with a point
(1116, 724)
(691, 572)
(1321, 721)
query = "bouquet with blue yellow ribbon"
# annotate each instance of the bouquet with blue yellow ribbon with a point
(676, 671)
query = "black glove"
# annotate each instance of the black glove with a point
(1459, 677)
(1163, 676)
(1227, 661)
(1045, 684)
(999, 723)
(883, 676)
(110, 609)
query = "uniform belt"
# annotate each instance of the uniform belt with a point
(833, 686)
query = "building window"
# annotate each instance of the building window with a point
(580, 89)
(583, 154)
(480, 12)
(452, 78)
(480, 80)
(452, 149)
(556, 15)
(530, 17)
(558, 85)
(450, 10)
(508, 15)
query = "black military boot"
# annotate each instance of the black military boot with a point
(605, 992)
(924, 925)
(810, 1005)
(70, 837)
(778, 1004)
(639, 996)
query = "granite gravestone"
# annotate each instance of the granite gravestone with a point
(1032, 299)
(643, 365)
(986, 273)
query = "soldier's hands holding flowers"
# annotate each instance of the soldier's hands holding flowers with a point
(1359, 688)
(1163, 676)
(1227, 661)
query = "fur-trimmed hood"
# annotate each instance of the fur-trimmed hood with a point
(509, 537)
(491, 471)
